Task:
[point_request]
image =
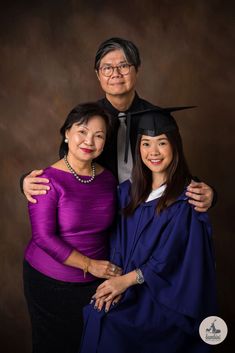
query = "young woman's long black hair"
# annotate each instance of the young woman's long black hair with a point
(178, 176)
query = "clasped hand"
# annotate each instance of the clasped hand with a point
(103, 269)
(109, 292)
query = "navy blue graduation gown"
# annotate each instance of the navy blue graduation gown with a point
(175, 254)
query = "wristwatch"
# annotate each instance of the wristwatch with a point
(139, 276)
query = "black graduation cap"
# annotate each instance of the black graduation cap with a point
(153, 122)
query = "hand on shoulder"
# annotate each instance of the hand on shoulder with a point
(32, 185)
(200, 196)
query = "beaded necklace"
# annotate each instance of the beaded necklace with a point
(83, 181)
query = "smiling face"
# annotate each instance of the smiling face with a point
(86, 140)
(117, 84)
(156, 153)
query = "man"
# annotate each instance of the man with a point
(117, 62)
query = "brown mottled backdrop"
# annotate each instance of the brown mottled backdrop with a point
(46, 55)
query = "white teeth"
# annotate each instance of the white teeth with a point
(155, 160)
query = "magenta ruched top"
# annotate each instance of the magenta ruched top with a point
(71, 216)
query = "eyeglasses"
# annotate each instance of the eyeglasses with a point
(123, 69)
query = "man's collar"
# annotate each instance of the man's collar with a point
(115, 112)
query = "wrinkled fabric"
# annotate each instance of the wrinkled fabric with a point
(71, 216)
(175, 254)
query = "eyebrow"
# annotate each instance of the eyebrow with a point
(80, 124)
(159, 139)
(121, 62)
(84, 126)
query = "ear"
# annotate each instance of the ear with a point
(97, 74)
(66, 134)
(136, 72)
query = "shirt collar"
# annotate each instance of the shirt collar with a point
(112, 110)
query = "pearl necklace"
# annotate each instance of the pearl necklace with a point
(83, 181)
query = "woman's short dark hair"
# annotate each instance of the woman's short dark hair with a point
(178, 176)
(129, 48)
(81, 114)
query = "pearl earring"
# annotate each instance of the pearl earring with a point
(66, 140)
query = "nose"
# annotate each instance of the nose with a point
(154, 152)
(116, 72)
(89, 140)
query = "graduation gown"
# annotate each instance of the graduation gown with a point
(175, 254)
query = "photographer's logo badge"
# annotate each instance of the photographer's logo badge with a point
(213, 330)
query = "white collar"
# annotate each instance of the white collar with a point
(155, 194)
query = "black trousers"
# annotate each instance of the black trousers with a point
(55, 309)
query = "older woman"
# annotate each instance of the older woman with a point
(66, 256)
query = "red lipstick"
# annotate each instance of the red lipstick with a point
(86, 150)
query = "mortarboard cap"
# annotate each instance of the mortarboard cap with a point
(153, 122)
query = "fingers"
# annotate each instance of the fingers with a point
(38, 192)
(201, 209)
(109, 303)
(30, 199)
(104, 269)
(110, 297)
(117, 299)
(105, 303)
(199, 206)
(105, 291)
(37, 180)
(199, 188)
(36, 172)
(32, 192)
(196, 187)
(201, 196)
(111, 270)
(196, 196)
(32, 185)
(35, 186)
(101, 293)
(99, 303)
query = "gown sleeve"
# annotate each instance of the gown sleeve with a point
(180, 271)
(43, 218)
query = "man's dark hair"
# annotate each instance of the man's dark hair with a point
(129, 48)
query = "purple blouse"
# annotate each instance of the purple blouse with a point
(71, 216)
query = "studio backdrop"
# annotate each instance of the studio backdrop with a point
(47, 53)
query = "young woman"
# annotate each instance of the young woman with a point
(71, 225)
(164, 247)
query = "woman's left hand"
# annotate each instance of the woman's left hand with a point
(115, 286)
(99, 303)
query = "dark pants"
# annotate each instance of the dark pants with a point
(55, 309)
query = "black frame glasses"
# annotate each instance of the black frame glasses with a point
(123, 69)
